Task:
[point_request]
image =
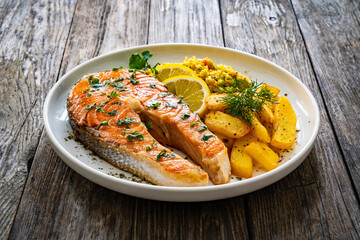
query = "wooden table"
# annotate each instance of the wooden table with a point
(42, 198)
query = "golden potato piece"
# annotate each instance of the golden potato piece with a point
(259, 131)
(241, 162)
(213, 102)
(275, 92)
(226, 140)
(272, 89)
(269, 127)
(266, 113)
(284, 125)
(226, 125)
(261, 153)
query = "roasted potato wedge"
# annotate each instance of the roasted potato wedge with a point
(259, 131)
(264, 155)
(266, 113)
(272, 89)
(241, 162)
(284, 125)
(226, 125)
(213, 102)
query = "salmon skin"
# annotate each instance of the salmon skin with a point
(125, 118)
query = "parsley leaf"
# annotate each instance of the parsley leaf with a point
(95, 83)
(193, 124)
(103, 103)
(152, 85)
(206, 137)
(169, 104)
(105, 123)
(112, 113)
(185, 116)
(162, 154)
(135, 134)
(99, 109)
(126, 121)
(113, 94)
(203, 127)
(153, 105)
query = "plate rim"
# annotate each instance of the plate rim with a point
(293, 162)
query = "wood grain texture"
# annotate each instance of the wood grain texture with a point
(331, 30)
(101, 212)
(316, 200)
(185, 21)
(32, 39)
(58, 203)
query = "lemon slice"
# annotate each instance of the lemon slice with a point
(168, 70)
(192, 90)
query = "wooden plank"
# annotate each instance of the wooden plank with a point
(331, 31)
(317, 200)
(53, 210)
(57, 202)
(32, 38)
(192, 22)
(189, 21)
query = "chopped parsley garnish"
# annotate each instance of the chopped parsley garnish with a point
(89, 107)
(185, 116)
(88, 94)
(117, 103)
(112, 113)
(133, 80)
(106, 82)
(163, 94)
(123, 132)
(126, 121)
(123, 89)
(162, 154)
(95, 83)
(135, 134)
(148, 124)
(193, 124)
(119, 80)
(103, 103)
(180, 101)
(103, 93)
(105, 123)
(172, 155)
(203, 127)
(99, 109)
(113, 94)
(206, 137)
(154, 143)
(148, 148)
(153, 105)
(169, 104)
(86, 90)
(137, 62)
(152, 85)
(91, 77)
(114, 69)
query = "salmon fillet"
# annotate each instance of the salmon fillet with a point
(125, 118)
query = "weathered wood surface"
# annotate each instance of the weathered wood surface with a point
(332, 35)
(318, 200)
(32, 39)
(103, 213)
(304, 204)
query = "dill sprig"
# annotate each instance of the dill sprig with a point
(244, 99)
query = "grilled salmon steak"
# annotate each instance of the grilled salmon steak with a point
(125, 118)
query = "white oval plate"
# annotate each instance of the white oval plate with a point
(95, 169)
